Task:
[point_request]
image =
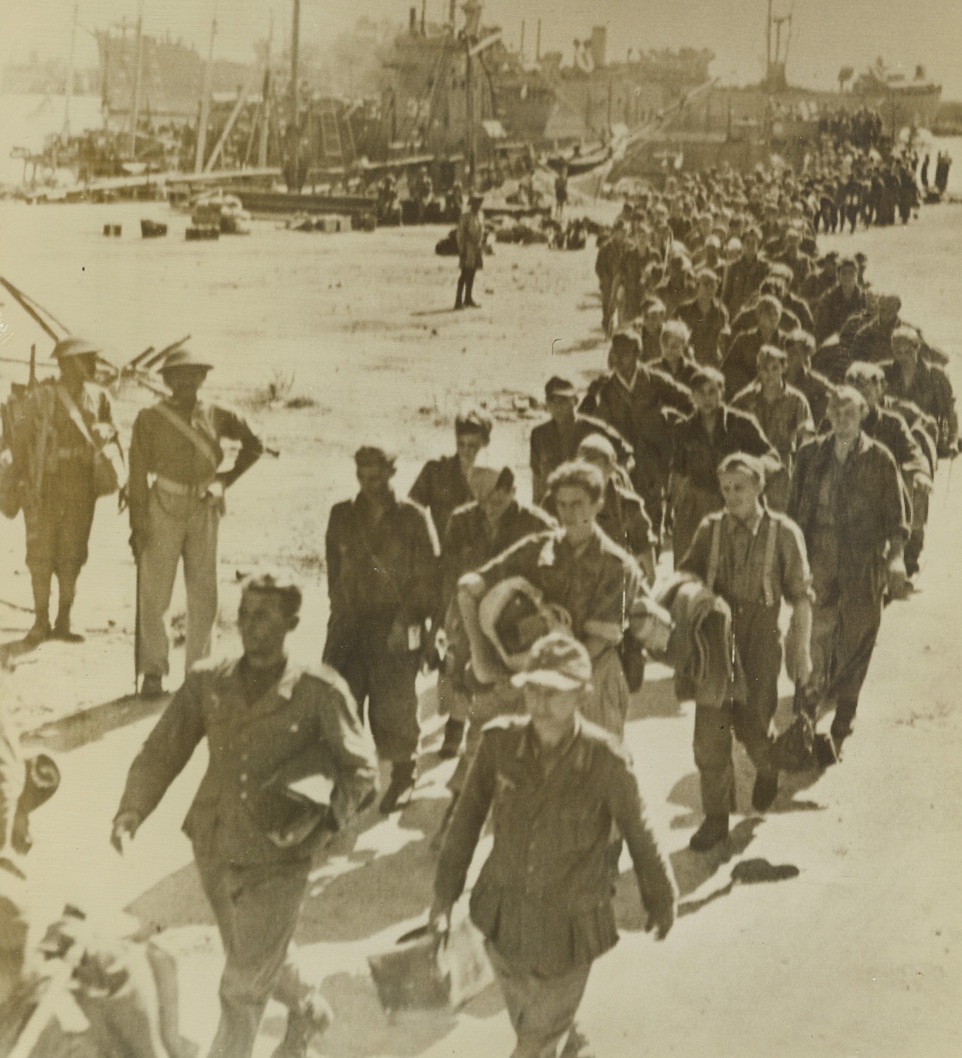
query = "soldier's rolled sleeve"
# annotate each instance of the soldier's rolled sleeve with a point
(470, 812)
(354, 756)
(655, 882)
(615, 595)
(166, 750)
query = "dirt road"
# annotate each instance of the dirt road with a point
(857, 956)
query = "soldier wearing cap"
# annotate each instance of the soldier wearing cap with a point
(470, 237)
(63, 426)
(555, 784)
(848, 501)
(269, 722)
(556, 441)
(382, 578)
(176, 495)
(753, 558)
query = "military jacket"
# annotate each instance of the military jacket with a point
(441, 487)
(307, 716)
(544, 895)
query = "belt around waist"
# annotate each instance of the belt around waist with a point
(177, 488)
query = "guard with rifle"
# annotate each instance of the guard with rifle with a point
(65, 455)
(176, 497)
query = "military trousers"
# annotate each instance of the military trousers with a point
(746, 715)
(542, 1009)
(59, 520)
(691, 504)
(256, 908)
(607, 702)
(178, 528)
(846, 619)
(381, 681)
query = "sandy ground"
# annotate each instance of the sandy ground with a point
(859, 955)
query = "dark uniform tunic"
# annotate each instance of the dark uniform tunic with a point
(931, 391)
(380, 575)
(441, 487)
(707, 329)
(551, 446)
(643, 414)
(543, 898)
(851, 515)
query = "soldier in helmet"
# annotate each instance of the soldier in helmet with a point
(177, 444)
(55, 444)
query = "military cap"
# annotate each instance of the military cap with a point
(750, 464)
(556, 661)
(74, 346)
(183, 356)
(559, 387)
(848, 262)
(861, 373)
(374, 455)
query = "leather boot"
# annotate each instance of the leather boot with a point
(713, 830)
(402, 782)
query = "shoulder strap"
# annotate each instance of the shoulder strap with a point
(713, 554)
(197, 439)
(767, 570)
(75, 417)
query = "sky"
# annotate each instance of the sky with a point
(826, 34)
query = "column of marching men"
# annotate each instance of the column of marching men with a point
(763, 414)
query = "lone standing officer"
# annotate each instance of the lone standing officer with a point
(55, 444)
(268, 722)
(556, 784)
(470, 237)
(176, 494)
(382, 577)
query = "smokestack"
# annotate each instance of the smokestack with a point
(599, 45)
(413, 20)
(521, 48)
(537, 46)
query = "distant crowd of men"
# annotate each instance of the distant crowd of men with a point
(764, 413)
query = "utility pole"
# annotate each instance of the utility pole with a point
(135, 104)
(265, 100)
(205, 100)
(768, 43)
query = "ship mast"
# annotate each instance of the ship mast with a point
(205, 99)
(69, 85)
(295, 96)
(135, 103)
